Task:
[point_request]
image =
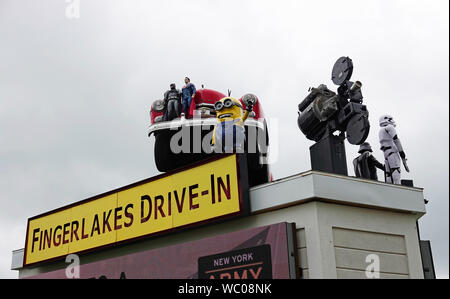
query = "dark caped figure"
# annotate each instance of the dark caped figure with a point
(172, 100)
(366, 164)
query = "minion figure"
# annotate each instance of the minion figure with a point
(229, 132)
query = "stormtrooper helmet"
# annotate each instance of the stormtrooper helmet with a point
(365, 147)
(387, 120)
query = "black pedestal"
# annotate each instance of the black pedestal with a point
(328, 155)
(408, 183)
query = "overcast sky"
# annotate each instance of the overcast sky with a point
(75, 93)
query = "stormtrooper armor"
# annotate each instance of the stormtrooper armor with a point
(392, 149)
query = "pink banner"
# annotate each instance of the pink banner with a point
(182, 260)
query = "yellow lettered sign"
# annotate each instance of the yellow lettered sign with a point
(203, 193)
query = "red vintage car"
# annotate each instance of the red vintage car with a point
(201, 122)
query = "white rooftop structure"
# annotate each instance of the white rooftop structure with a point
(340, 221)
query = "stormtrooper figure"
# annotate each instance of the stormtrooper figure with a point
(392, 149)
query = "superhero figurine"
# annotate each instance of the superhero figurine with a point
(366, 164)
(392, 149)
(229, 133)
(188, 92)
(172, 102)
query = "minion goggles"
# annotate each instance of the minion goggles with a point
(226, 104)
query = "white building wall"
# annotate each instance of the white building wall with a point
(339, 221)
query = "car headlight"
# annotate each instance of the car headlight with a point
(249, 98)
(158, 119)
(158, 105)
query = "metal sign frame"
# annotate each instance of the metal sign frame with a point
(244, 206)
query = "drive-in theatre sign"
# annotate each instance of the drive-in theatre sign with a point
(192, 196)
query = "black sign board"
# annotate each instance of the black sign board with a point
(249, 263)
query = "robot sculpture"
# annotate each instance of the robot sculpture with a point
(392, 149)
(366, 164)
(229, 133)
(328, 118)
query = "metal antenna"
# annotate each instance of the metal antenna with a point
(229, 93)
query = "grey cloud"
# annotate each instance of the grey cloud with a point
(75, 94)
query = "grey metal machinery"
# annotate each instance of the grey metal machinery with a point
(328, 118)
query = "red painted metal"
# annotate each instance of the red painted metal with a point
(209, 96)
